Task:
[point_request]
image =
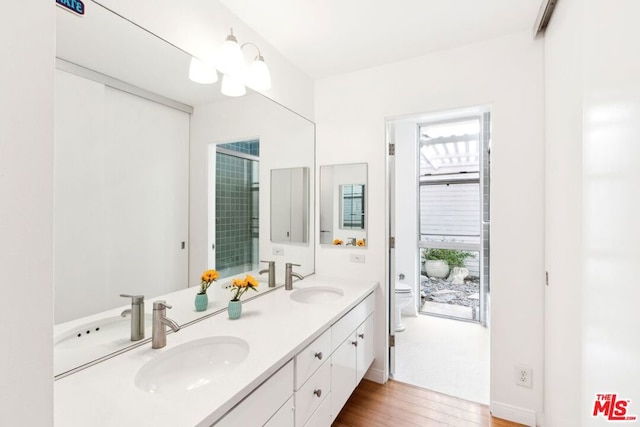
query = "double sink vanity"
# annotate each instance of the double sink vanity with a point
(292, 359)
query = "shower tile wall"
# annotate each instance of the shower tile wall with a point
(236, 210)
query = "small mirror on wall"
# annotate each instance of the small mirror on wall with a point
(343, 205)
(290, 205)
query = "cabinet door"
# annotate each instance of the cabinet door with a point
(365, 347)
(284, 416)
(343, 374)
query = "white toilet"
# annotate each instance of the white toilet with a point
(404, 297)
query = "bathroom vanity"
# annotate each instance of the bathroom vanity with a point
(292, 359)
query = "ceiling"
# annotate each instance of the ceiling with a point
(330, 37)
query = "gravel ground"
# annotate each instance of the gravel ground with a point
(443, 291)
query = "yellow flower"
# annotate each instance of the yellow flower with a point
(338, 242)
(210, 276)
(240, 286)
(207, 278)
(360, 242)
(240, 283)
(251, 281)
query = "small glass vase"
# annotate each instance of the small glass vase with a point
(234, 310)
(202, 301)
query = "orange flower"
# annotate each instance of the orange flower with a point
(207, 278)
(240, 286)
(251, 281)
(360, 242)
(338, 242)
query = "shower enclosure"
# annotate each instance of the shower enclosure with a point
(237, 190)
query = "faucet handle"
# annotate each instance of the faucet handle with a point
(290, 264)
(161, 305)
(135, 299)
(268, 262)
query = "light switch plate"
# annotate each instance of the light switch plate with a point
(278, 251)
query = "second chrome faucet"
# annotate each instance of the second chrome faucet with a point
(288, 275)
(160, 322)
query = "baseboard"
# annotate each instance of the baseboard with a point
(375, 375)
(513, 413)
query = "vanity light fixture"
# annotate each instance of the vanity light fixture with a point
(202, 72)
(236, 73)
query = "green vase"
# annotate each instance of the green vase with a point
(202, 301)
(234, 309)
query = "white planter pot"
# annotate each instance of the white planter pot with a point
(436, 268)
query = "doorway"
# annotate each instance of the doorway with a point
(439, 255)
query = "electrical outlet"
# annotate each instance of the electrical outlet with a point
(523, 376)
(277, 251)
(357, 258)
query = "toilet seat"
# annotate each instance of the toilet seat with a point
(401, 288)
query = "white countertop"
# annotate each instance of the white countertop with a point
(275, 327)
(79, 352)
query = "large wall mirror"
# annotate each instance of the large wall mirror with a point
(290, 205)
(142, 184)
(343, 205)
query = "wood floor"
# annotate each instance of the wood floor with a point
(402, 405)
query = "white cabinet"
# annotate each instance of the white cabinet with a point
(343, 374)
(284, 417)
(322, 416)
(350, 361)
(265, 402)
(312, 394)
(312, 357)
(364, 351)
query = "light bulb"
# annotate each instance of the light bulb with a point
(232, 86)
(258, 76)
(201, 72)
(230, 58)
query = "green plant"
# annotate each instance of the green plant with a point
(453, 257)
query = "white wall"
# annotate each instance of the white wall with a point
(563, 216)
(592, 123)
(201, 26)
(286, 141)
(506, 74)
(26, 224)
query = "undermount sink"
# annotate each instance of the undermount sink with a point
(317, 294)
(192, 365)
(102, 332)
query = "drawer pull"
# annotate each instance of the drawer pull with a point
(361, 336)
(318, 355)
(354, 343)
(317, 392)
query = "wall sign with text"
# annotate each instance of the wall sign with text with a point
(75, 6)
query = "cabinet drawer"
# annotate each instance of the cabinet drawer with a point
(263, 402)
(350, 321)
(284, 416)
(322, 416)
(311, 358)
(312, 393)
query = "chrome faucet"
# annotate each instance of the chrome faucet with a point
(160, 320)
(288, 275)
(137, 316)
(272, 273)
